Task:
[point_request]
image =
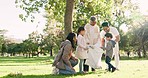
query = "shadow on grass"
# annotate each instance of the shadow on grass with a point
(129, 58)
(132, 58)
(54, 76)
(25, 60)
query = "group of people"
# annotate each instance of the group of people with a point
(90, 45)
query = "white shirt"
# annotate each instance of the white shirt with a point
(113, 31)
(92, 34)
(81, 53)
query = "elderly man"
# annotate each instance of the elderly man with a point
(116, 38)
(92, 36)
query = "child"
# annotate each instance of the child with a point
(81, 51)
(109, 51)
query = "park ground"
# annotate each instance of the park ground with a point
(40, 67)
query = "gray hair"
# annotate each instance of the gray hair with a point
(93, 18)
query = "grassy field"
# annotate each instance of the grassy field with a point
(40, 67)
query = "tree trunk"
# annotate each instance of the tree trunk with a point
(29, 54)
(32, 54)
(2, 54)
(11, 54)
(144, 51)
(68, 16)
(23, 54)
(26, 55)
(51, 54)
(14, 54)
(38, 54)
(139, 53)
(128, 54)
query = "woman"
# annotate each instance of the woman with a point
(67, 61)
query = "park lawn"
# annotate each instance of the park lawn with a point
(40, 67)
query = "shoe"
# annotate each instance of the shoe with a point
(113, 69)
(55, 71)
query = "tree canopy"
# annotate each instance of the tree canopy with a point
(64, 16)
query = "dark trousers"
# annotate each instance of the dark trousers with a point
(108, 60)
(86, 67)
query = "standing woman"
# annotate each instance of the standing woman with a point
(67, 61)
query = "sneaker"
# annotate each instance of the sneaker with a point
(55, 71)
(113, 69)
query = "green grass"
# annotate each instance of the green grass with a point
(40, 67)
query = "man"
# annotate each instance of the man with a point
(116, 38)
(92, 36)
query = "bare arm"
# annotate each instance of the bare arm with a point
(102, 35)
(117, 38)
(117, 35)
(102, 42)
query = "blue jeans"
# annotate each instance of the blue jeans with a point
(108, 60)
(68, 70)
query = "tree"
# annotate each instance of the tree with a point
(137, 39)
(142, 36)
(125, 13)
(2, 41)
(15, 48)
(12, 50)
(61, 13)
(68, 16)
(53, 36)
(57, 10)
(30, 47)
(32, 6)
(4, 49)
(34, 41)
(87, 8)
